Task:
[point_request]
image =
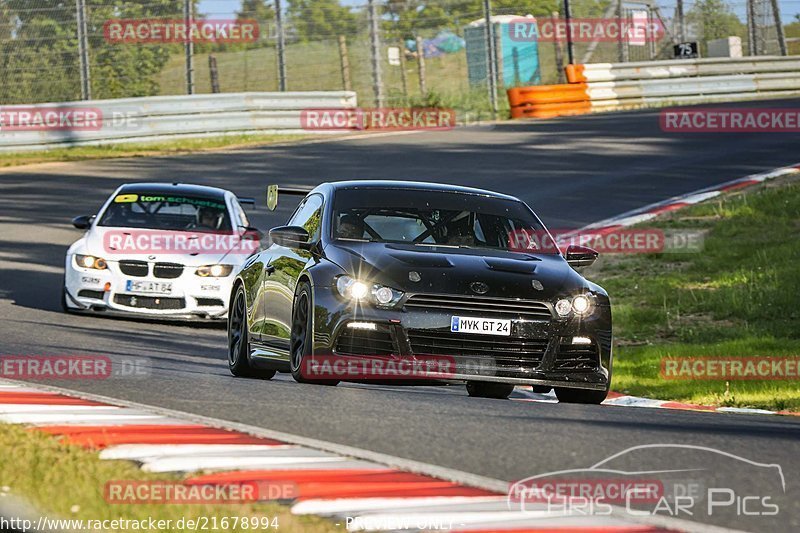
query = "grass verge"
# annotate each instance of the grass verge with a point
(64, 481)
(149, 149)
(738, 297)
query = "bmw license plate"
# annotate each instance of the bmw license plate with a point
(148, 287)
(483, 326)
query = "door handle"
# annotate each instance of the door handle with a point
(269, 269)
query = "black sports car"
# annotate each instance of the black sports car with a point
(407, 271)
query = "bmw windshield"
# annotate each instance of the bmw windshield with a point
(435, 218)
(172, 212)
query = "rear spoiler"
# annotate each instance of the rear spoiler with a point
(273, 190)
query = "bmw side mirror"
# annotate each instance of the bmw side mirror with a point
(83, 221)
(580, 256)
(290, 236)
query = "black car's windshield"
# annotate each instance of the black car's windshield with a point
(441, 218)
(173, 212)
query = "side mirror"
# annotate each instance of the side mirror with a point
(580, 256)
(83, 221)
(289, 236)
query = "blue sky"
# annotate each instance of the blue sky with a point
(789, 8)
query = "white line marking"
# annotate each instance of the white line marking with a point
(138, 452)
(357, 506)
(192, 464)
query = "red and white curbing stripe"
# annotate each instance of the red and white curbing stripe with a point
(368, 495)
(651, 211)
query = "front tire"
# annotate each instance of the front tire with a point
(488, 389)
(239, 341)
(592, 397)
(301, 338)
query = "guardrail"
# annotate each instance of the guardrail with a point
(614, 86)
(160, 117)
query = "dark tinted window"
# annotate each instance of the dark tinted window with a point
(166, 212)
(309, 216)
(434, 217)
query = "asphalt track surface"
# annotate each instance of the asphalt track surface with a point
(571, 171)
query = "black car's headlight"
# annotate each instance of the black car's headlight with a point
(359, 291)
(214, 271)
(90, 261)
(581, 305)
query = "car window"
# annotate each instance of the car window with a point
(309, 216)
(172, 212)
(240, 214)
(435, 217)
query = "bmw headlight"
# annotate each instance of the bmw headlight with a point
(90, 261)
(214, 271)
(582, 305)
(375, 293)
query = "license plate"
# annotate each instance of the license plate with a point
(148, 287)
(482, 326)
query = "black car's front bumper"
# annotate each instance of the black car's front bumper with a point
(539, 350)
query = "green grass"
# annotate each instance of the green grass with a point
(738, 297)
(67, 482)
(147, 149)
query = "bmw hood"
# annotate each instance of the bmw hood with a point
(184, 247)
(447, 270)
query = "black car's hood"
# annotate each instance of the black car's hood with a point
(455, 270)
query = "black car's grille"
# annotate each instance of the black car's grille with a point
(167, 270)
(576, 357)
(506, 352)
(149, 302)
(365, 342)
(480, 305)
(86, 293)
(210, 302)
(138, 269)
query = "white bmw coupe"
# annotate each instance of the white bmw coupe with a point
(159, 250)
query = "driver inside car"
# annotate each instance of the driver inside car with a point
(207, 218)
(351, 227)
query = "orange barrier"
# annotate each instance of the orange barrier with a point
(575, 73)
(546, 101)
(560, 109)
(546, 93)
